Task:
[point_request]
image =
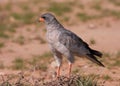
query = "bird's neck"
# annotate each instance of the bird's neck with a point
(54, 25)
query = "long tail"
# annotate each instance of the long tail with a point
(97, 53)
(94, 59)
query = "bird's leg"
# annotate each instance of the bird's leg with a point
(58, 71)
(70, 67)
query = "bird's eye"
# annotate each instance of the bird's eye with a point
(44, 17)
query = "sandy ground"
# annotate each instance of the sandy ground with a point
(106, 38)
(105, 32)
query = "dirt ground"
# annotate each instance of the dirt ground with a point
(29, 41)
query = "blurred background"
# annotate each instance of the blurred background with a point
(23, 44)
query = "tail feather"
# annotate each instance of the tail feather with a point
(94, 59)
(97, 53)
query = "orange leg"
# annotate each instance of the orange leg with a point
(58, 71)
(70, 67)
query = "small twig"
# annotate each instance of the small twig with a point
(2, 78)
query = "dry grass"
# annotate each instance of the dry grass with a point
(106, 77)
(22, 80)
(18, 64)
(115, 2)
(20, 40)
(37, 62)
(2, 45)
(59, 8)
(25, 15)
(92, 41)
(12, 19)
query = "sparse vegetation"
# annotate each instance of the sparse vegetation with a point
(108, 12)
(97, 6)
(75, 80)
(20, 40)
(42, 41)
(59, 8)
(105, 54)
(75, 71)
(118, 54)
(28, 16)
(2, 65)
(3, 28)
(8, 6)
(45, 55)
(38, 63)
(106, 77)
(12, 28)
(81, 6)
(3, 35)
(85, 17)
(18, 64)
(92, 42)
(33, 61)
(15, 15)
(115, 2)
(24, 18)
(116, 14)
(42, 67)
(2, 45)
(24, 7)
(66, 19)
(116, 63)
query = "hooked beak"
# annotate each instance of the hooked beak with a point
(40, 19)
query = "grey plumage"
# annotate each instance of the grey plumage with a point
(67, 43)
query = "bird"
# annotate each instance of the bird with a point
(63, 42)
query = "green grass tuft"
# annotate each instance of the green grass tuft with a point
(45, 55)
(108, 12)
(81, 6)
(75, 80)
(118, 54)
(8, 6)
(3, 35)
(97, 6)
(59, 8)
(43, 67)
(2, 65)
(20, 40)
(66, 19)
(18, 64)
(92, 42)
(105, 54)
(115, 2)
(1, 45)
(23, 18)
(42, 41)
(116, 14)
(75, 71)
(87, 81)
(3, 27)
(27, 17)
(38, 61)
(17, 16)
(24, 7)
(106, 77)
(85, 17)
(33, 61)
(116, 63)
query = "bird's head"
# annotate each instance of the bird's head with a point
(47, 18)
